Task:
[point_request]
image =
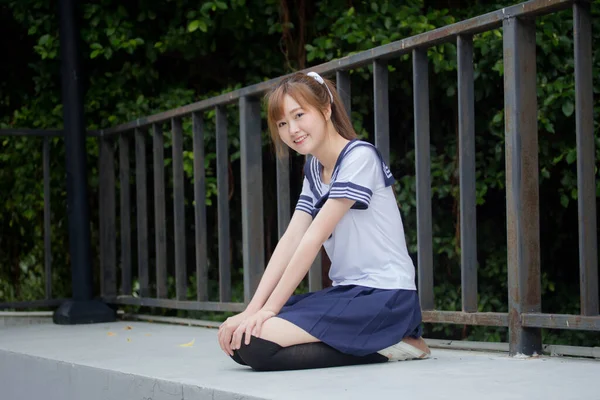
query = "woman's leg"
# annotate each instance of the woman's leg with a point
(264, 355)
(284, 333)
(285, 346)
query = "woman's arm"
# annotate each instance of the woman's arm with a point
(303, 256)
(280, 259)
(277, 264)
(321, 228)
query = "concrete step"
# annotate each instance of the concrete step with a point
(138, 360)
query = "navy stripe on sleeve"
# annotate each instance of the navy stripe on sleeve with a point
(349, 190)
(305, 204)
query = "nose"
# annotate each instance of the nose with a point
(293, 127)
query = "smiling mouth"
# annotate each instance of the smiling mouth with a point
(300, 139)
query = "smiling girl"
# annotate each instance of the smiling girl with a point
(371, 314)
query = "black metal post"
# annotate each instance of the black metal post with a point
(81, 308)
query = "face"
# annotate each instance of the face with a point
(303, 129)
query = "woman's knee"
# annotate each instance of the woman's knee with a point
(259, 353)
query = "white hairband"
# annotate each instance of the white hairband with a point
(319, 79)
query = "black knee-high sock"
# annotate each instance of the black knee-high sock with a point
(236, 357)
(264, 355)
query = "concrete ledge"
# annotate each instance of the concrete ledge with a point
(143, 361)
(24, 377)
(18, 318)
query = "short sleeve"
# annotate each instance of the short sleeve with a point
(360, 174)
(306, 200)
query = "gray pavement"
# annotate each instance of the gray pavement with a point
(137, 360)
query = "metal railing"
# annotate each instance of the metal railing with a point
(524, 317)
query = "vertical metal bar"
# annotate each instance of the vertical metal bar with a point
(200, 208)
(142, 212)
(47, 226)
(125, 216)
(179, 211)
(382, 109)
(466, 138)
(108, 248)
(586, 182)
(76, 157)
(522, 187)
(315, 281)
(223, 206)
(344, 89)
(283, 192)
(252, 195)
(82, 307)
(160, 219)
(424, 223)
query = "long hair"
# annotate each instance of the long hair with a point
(305, 90)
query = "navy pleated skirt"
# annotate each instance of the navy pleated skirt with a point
(354, 319)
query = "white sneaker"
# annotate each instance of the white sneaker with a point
(402, 351)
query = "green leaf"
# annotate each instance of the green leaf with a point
(571, 156)
(451, 91)
(568, 108)
(193, 26)
(550, 99)
(388, 23)
(497, 118)
(44, 39)
(564, 200)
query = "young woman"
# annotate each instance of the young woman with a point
(371, 314)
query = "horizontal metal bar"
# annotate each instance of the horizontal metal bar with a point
(171, 320)
(176, 304)
(448, 33)
(467, 345)
(32, 304)
(549, 349)
(463, 318)
(561, 321)
(575, 351)
(32, 132)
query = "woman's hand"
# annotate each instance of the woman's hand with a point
(227, 329)
(250, 326)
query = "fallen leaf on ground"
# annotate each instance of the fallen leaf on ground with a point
(190, 344)
(111, 334)
(128, 328)
(148, 334)
(129, 340)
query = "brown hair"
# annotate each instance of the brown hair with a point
(307, 91)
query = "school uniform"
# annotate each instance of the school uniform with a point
(373, 302)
